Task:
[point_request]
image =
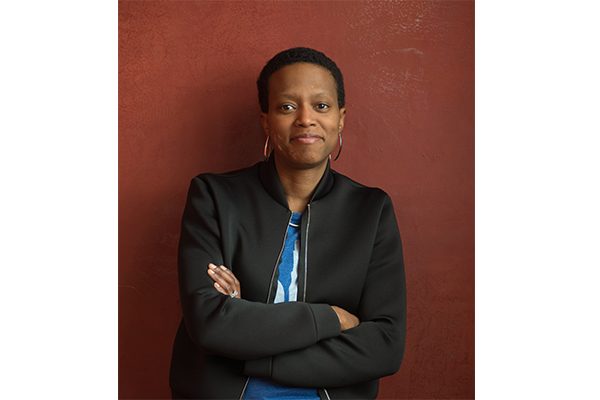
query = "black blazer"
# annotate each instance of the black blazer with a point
(351, 257)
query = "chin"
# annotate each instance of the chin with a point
(312, 162)
(305, 159)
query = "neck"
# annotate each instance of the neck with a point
(299, 184)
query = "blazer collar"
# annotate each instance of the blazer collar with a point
(272, 184)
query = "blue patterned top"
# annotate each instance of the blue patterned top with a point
(287, 290)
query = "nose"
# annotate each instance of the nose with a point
(305, 116)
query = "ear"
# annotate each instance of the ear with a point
(265, 122)
(342, 118)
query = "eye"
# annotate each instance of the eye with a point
(322, 106)
(286, 107)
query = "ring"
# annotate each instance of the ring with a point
(235, 293)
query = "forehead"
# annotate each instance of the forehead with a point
(302, 77)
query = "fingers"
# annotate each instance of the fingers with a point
(230, 275)
(220, 289)
(347, 320)
(225, 281)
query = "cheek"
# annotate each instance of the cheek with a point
(275, 126)
(277, 130)
(277, 140)
(278, 144)
(334, 127)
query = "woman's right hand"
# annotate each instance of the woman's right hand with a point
(347, 320)
(225, 281)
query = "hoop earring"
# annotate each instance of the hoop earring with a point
(340, 150)
(265, 151)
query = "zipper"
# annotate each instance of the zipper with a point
(275, 269)
(278, 258)
(306, 252)
(244, 389)
(306, 269)
(271, 286)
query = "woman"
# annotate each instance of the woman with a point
(291, 275)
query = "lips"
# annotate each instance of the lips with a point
(306, 138)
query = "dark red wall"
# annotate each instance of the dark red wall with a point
(187, 104)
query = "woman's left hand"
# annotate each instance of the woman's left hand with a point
(225, 281)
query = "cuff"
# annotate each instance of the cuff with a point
(327, 323)
(260, 367)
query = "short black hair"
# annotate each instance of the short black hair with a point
(293, 56)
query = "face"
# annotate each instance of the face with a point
(304, 118)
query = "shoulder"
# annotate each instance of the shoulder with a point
(225, 186)
(350, 187)
(231, 178)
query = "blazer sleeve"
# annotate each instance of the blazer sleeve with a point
(370, 351)
(236, 328)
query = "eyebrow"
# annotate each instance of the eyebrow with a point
(290, 96)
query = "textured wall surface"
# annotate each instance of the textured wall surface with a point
(188, 104)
